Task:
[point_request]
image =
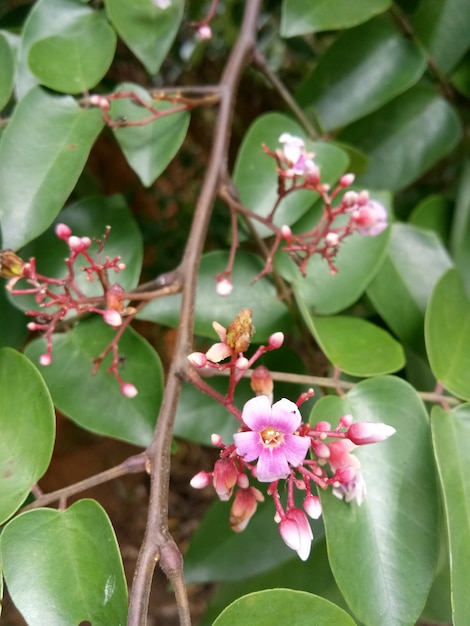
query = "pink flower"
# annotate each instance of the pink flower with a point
(271, 438)
(244, 507)
(370, 218)
(296, 532)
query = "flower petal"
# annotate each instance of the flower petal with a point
(257, 413)
(295, 448)
(249, 445)
(285, 416)
(272, 465)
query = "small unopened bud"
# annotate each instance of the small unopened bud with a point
(114, 298)
(262, 382)
(346, 180)
(104, 104)
(32, 326)
(312, 506)
(75, 243)
(95, 99)
(350, 199)
(63, 231)
(332, 239)
(86, 242)
(369, 432)
(286, 232)
(346, 420)
(321, 450)
(200, 480)
(129, 390)
(242, 481)
(224, 287)
(197, 359)
(113, 318)
(276, 340)
(45, 359)
(363, 197)
(216, 440)
(204, 32)
(242, 363)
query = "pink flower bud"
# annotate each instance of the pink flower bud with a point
(75, 243)
(114, 297)
(276, 340)
(244, 507)
(205, 32)
(345, 474)
(321, 450)
(242, 363)
(261, 381)
(296, 532)
(200, 480)
(312, 506)
(346, 180)
(216, 440)
(224, 287)
(112, 317)
(104, 104)
(242, 481)
(286, 232)
(370, 219)
(45, 359)
(95, 99)
(369, 432)
(350, 199)
(86, 242)
(129, 390)
(197, 359)
(32, 326)
(363, 197)
(332, 239)
(323, 426)
(346, 420)
(63, 231)
(225, 478)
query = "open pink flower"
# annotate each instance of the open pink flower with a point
(271, 438)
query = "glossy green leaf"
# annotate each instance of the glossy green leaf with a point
(147, 30)
(460, 78)
(434, 213)
(7, 70)
(13, 329)
(27, 423)
(89, 217)
(94, 401)
(358, 260)
(447, 332)
(460, 230)
(388, 545)
(255, 173)
(149, 148)
(356, 346)
(269, 313)
(41, 162)
(50, 18)
(405, 138)
(75, 60)
(257, 549)
(400, 291)
(338, 90)
(441, 27)
(451, 440)
(300, 17)
(64, 567)
(277, 607)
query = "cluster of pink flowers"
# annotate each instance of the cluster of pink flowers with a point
(274, 444)
(57, 297)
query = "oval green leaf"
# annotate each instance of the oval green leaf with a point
(64, 567)
(397, 525)
(277, 607)
(447, 333)
(255, 173)
(41, 162)
(337, 89)
(149, 148)
(147, 30)
(269, 313)
(7, 70)
(460, 229)
(405, 138)
(400, 291)
(356, 346)
(75, 60)
(451, 441)
(300, 17)
(27, 423)
(95, 401)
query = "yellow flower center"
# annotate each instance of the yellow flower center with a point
(271, 436)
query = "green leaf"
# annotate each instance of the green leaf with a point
(405, 138)
(447, 332)
(277, 607)
(27, 423)
(13, 329)
(149, 148)
(337, 90)
(255, 173)
(356, 346)
(75, 60)
(460, 231)
(7, 70)
(396, 528)
(401, 289)
(451, 440)
(72, 384)
(89, 217)
(269, 314)
(441, 26)
(433, 213)
(358, 260)
(64, 567)
(147, 30)
(42, 154)
(300, 17)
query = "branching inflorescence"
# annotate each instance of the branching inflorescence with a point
(285, 448)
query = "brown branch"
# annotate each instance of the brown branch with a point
(158, 545)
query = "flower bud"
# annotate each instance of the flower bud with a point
(204, 32)
(129, 390)
(346, 420)
(216, 440)
(296, 532)
(224, 287)
(225, 478)
(276, 340)
(197, 359)
(312, 506)
(350, 199)
(242, 363)
(369, 432)
(113, 318)
(346, 180)
(262, 382)
(244, 507)
(332, 239)
(45, 359)
(63, 231)
(286, 232)
(114, 298)
(200, 480)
